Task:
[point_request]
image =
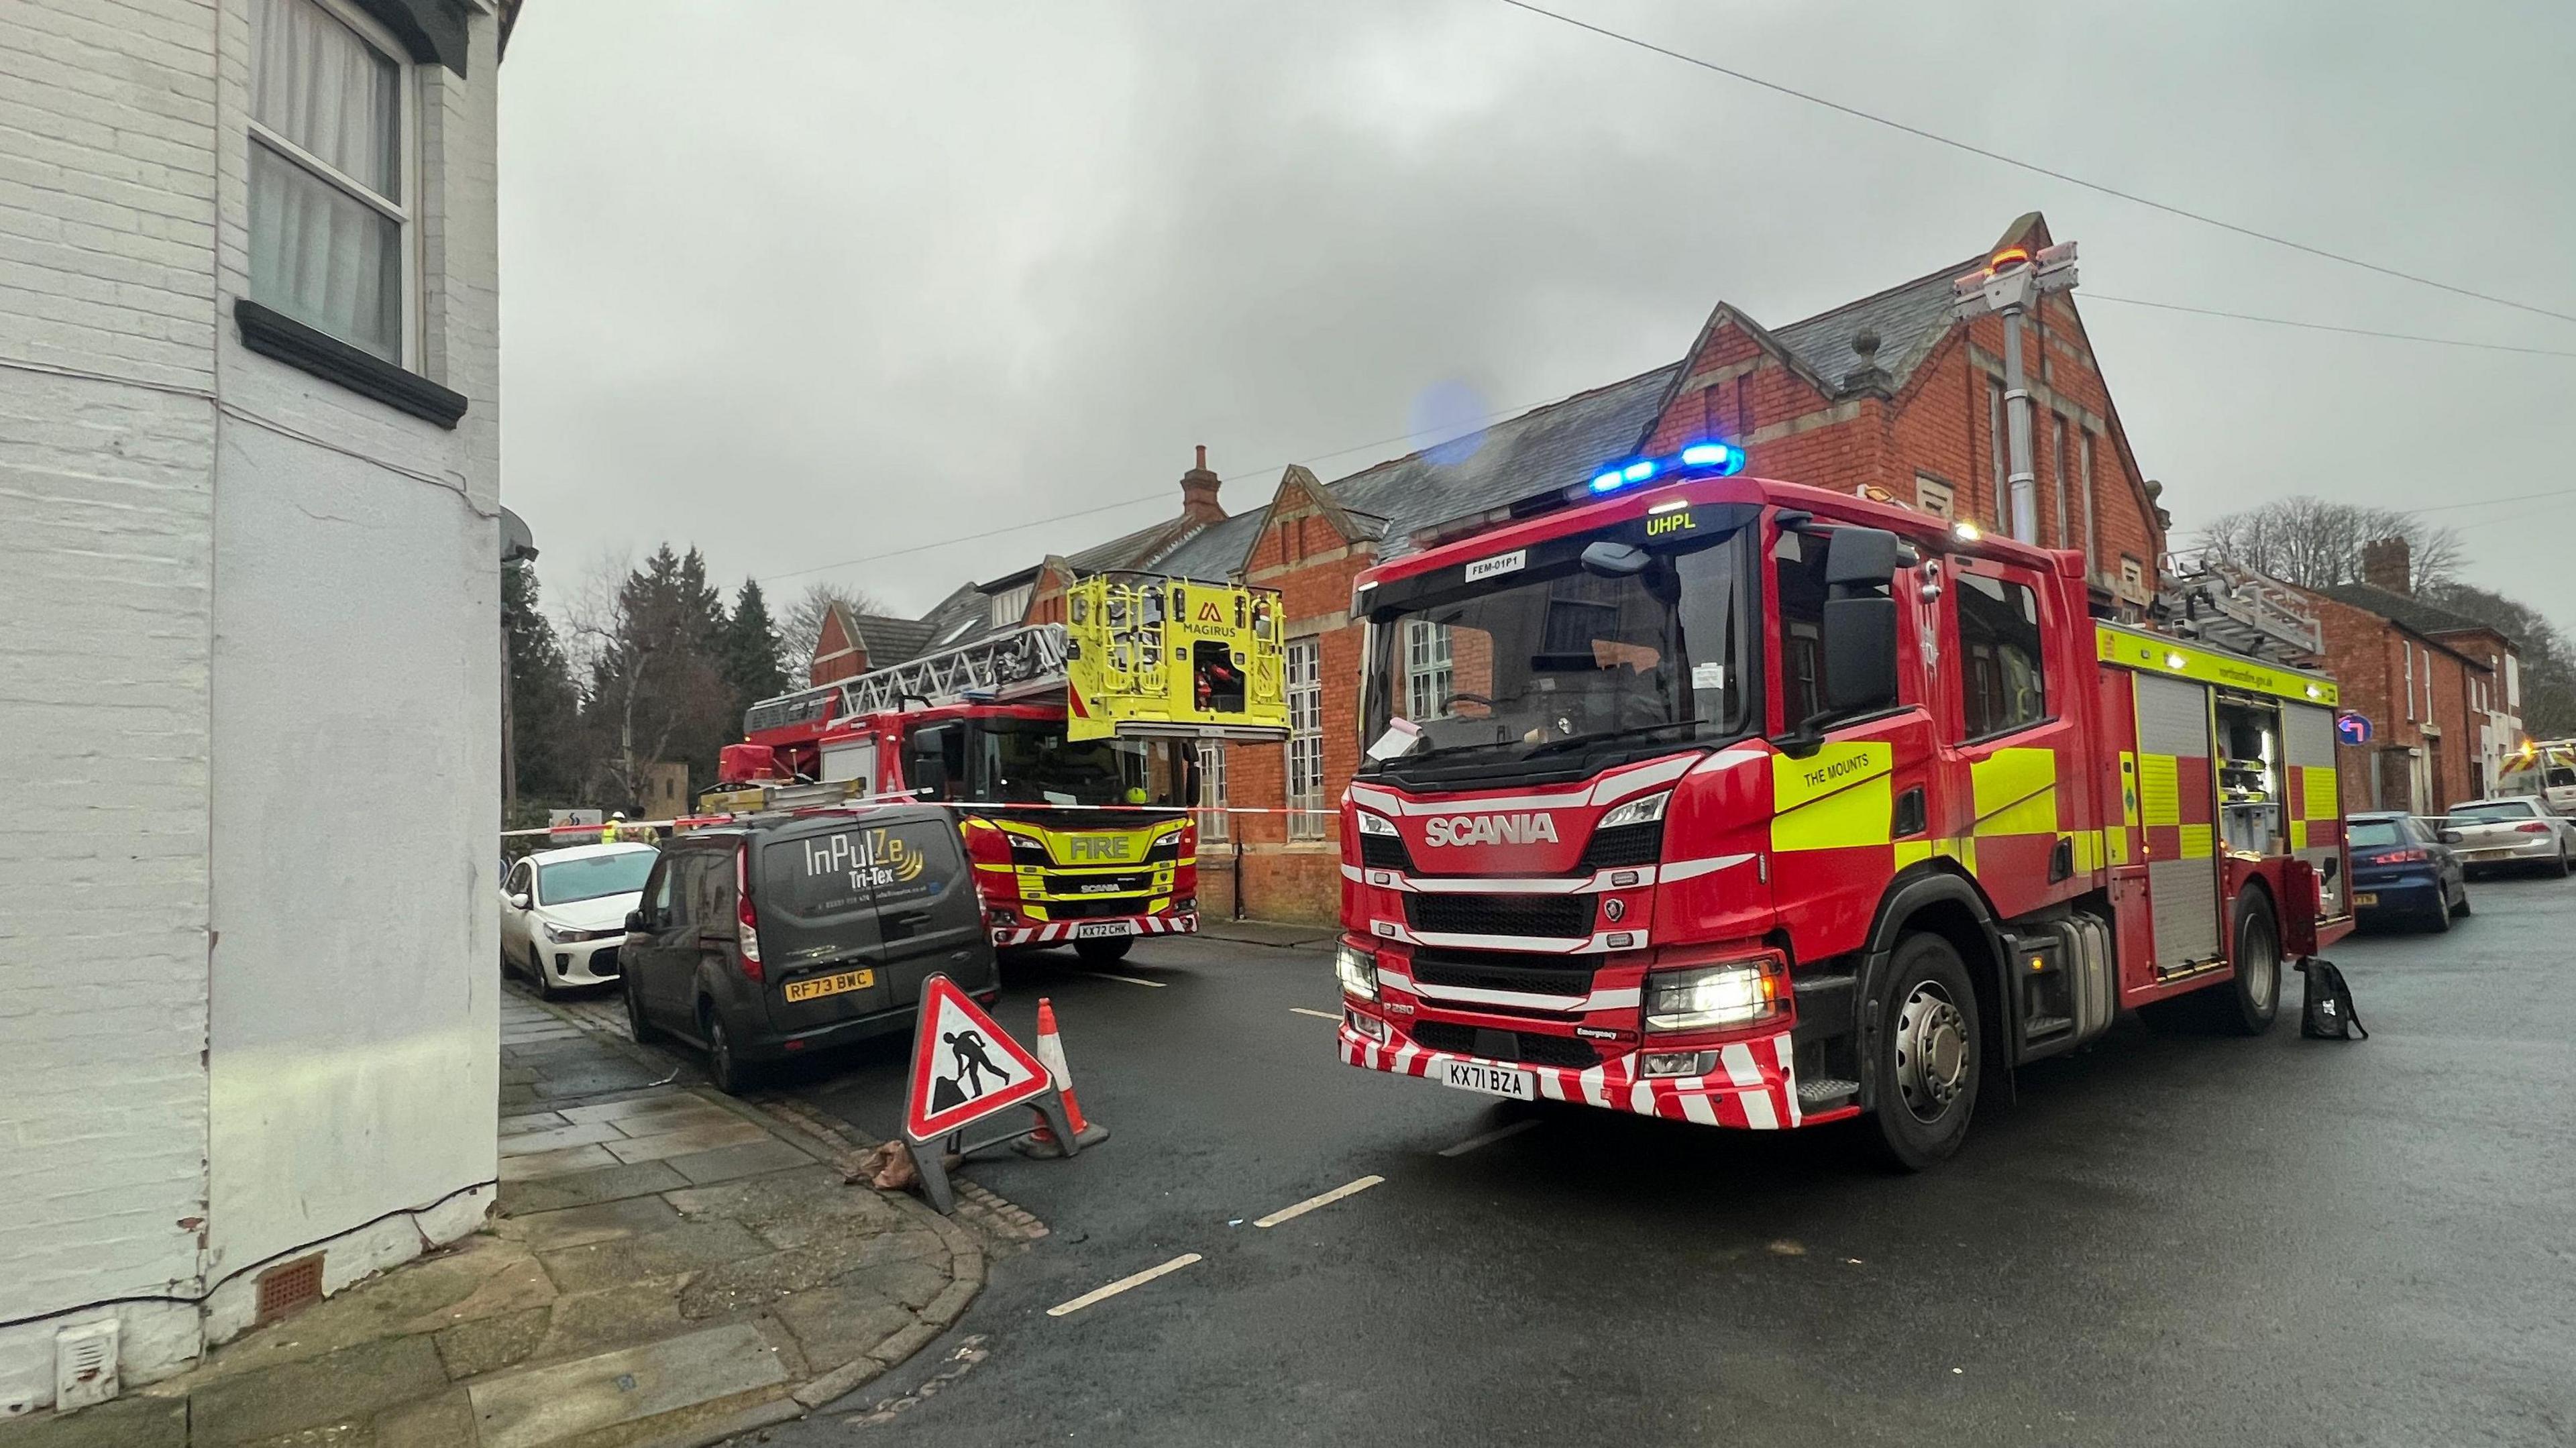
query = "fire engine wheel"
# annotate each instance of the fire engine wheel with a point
(1104, 952)
(1928, 1054)
(2248, 1005)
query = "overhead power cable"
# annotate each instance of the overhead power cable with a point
(2034, 167)
(2090, 297)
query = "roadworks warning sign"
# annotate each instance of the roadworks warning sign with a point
(964, 1067)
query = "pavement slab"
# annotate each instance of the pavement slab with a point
(600, 1222)
(543, 1406)
(560, 1162)
(673, 1253)
(590, 1322)
(843, 1321)
(355, 1382)
(750, 1158)
(583, 1189)
(684, 1140)
(474, 1348)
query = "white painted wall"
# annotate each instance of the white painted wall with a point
(249, 664)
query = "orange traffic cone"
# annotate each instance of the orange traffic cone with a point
(1051, 1051)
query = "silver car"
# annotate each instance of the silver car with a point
(2516, 830)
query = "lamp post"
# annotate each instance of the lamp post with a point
(2012, 282)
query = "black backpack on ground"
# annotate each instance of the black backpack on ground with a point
(2326, 1014)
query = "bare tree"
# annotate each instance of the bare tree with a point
(2313, 542)
(804, 620)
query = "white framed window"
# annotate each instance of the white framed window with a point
(1305, 680)
(1213, 820)
(334, 176)
(1426, 668)
(1012, 604)
(1934, 496)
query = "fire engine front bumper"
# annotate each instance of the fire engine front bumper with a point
(1754, 1084)
(1060, 932)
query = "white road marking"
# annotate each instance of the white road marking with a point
(1129, 979)
(1101, 1294)
(1489, 1138)
(1311, 1203)
(1319, 1015)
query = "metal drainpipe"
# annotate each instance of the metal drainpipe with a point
(1238, 875)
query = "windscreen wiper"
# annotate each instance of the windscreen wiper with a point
(1575, 741)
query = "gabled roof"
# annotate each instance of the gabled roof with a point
(1909, 318)
(887, 639)
(2413, 614)
(1134, 550)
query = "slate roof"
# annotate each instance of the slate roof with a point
(1909, 318)
(891, 640)
(2424, 618)
(1542, 448)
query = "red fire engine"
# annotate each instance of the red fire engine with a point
(1069, 751)
(1745, 803)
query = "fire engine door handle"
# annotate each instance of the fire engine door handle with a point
(2061, 861)
(1911, 818)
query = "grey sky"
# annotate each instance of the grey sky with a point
(803, 282)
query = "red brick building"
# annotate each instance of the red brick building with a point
(2442, 692)
(1889, 392)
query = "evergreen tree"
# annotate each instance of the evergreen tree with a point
(655, 691)
(544, 705)
(750, 651)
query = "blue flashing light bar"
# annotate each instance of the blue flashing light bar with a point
(1708, 458)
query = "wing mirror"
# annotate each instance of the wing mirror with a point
(521, 901)
(2452, 837)
(1615, 560)
(634, 922)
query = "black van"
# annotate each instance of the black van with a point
(790, 933)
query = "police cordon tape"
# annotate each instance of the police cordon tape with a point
(885, 801)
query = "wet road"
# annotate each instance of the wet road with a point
(2182, 1240)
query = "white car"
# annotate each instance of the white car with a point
(2517, 830)
(563, 912)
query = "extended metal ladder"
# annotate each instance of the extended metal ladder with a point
(1012, 664)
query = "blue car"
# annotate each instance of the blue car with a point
(2404, 870)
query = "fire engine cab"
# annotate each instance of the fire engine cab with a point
(1068, 751)
(1755, 805)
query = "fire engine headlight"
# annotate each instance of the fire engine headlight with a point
(1375, 824)
(1711, 998)
(1358, 971)
(1635, 812)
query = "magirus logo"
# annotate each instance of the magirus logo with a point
(1492, 829)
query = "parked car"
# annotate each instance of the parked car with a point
(563, 912)
(2516, 830)
(2405, 869)
(776, 936)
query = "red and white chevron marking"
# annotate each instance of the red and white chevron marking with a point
(1056, 932)
(1757, 1090)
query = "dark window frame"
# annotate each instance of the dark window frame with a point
(1969, 719)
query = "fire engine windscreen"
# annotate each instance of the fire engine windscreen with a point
(1029, 761)
(1547, 661)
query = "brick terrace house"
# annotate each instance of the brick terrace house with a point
(2443, 692)
(1889, 392)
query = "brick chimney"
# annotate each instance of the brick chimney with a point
(1198, 492)
(2388, 563)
